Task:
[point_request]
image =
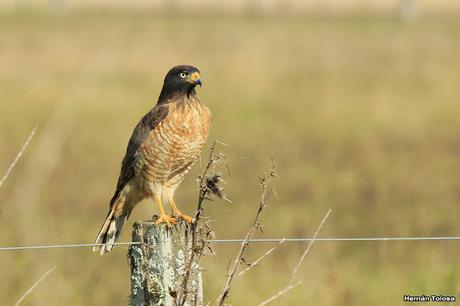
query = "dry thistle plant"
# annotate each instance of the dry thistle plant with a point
(210, 185)
(267, 192)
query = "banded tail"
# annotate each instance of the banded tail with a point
(110, 231)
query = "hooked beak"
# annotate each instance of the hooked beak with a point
(195, 78)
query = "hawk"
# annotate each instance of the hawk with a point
(162, 149)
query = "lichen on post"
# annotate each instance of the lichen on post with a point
(158, 265)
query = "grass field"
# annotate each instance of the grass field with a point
(360, 113)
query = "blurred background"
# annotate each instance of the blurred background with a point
(356, 100)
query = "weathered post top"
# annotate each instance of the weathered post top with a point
(159, 264)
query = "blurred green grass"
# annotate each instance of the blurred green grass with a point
(361, 115)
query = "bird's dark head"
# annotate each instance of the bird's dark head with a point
(181, 79)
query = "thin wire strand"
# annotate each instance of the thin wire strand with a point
(62, 246)
(335, 239)
(224, 241)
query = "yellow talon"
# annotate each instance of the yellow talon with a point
(186, 218)
(163, 218)
(169, 220)
(178, 213)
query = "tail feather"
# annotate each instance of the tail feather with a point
(109, 232)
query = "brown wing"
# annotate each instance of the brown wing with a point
(148, 123)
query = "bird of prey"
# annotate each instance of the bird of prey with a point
(162, 149)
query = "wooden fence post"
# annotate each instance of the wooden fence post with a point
(158, 265)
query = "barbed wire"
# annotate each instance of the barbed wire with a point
(224, 241)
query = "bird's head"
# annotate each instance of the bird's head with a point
(181, 79)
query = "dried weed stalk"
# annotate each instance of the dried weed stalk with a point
(267, 192)
(292, 283)
(34, 285)
(18, 156)
(210, 186)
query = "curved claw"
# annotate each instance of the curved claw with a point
(186, 218)
(168, 220)
(177, 213)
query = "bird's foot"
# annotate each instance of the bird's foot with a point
(186, 218)
(180, 215)
(168, 220)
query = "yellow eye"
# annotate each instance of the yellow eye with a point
(183, 74)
